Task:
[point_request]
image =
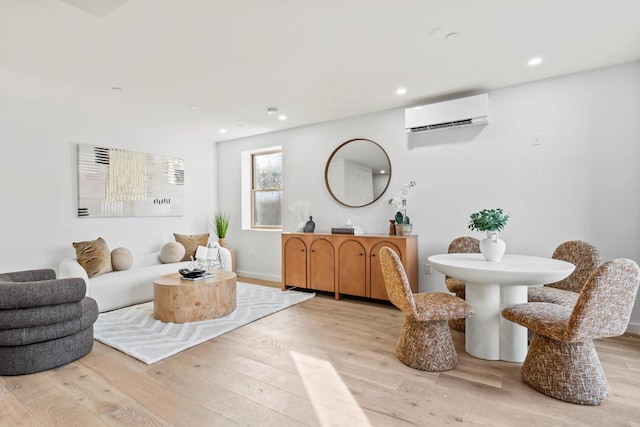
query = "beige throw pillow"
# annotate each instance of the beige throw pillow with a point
(121, 259)
(94, 256)
(172, 252)
(191, 243)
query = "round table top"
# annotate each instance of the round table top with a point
(510, 270)
(175, 279)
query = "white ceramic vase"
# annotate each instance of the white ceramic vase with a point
(492, 248)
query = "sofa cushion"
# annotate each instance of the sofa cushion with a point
(41, 293)
(121, 259)
(94, 256)
(36, 316)
(35, 334)
(172, 252)
(191, 243)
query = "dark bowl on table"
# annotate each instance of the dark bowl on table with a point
(191, 274)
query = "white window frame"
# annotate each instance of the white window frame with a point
(246, 166)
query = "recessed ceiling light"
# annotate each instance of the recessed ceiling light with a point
(272, 110)
(535, 61)
(401, 91)
(282, 117)
(452, 36)
(383, 171)
(223, 131)
(195, 107)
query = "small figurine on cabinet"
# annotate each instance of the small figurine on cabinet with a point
(310, 226)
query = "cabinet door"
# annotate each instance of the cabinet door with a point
(378, 289)
(352, 269)
(295, 264)
(322, 266)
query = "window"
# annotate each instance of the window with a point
(266, 189)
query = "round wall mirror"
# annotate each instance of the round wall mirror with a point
(358, 172)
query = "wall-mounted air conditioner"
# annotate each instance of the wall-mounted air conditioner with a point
(469, 111)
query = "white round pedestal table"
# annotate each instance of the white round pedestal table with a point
(491, 286)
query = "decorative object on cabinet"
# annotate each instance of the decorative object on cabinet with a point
(355, 230)
(492, 221)
(310, 226)
(301, 210)
(403, 224)
(344, 264)
(120, 183)
(357, 172)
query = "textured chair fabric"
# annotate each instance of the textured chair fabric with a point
(425, 342)
(562, 361)
(458, 246)
(585, 257)
(44, 322)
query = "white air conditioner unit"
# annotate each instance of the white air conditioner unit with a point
(469, 111)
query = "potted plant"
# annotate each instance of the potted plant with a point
(492, 221)
(220, 227)
(403, 225)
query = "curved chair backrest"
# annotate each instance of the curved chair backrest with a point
(396, 282)
(464, 245)
(584, 256)
(604, 306)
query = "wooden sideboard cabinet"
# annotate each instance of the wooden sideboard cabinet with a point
(344, 264)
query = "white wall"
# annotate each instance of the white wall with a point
(38, 189)
(581, 183)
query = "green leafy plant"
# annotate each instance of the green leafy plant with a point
(221, 224)
(488, 220)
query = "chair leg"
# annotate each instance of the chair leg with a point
(566, 371)
(427, 345)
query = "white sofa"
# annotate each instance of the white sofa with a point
(119, 289)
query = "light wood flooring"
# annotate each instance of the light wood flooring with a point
(320, 363)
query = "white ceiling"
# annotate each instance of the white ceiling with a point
(316, 60)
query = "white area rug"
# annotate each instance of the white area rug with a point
(134, 331)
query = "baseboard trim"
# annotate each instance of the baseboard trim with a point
(253, 275)
(633, 328)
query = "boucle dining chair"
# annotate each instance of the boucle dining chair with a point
(562, 361)
(585, 257)
(425, 342)
(460, 245)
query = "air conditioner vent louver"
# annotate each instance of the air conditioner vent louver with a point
(470, 111)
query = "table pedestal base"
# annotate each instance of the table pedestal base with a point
(489, 336)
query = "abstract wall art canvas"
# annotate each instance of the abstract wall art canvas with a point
(120, 183)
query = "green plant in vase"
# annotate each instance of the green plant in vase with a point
(488, 220)
(220, 227)
(492, 221)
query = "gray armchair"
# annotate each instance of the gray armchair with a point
(44, 322)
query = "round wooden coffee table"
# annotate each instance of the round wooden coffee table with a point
(178, 301)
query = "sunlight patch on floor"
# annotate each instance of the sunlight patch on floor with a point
(316, 374)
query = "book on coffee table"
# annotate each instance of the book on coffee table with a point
(193, 279)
